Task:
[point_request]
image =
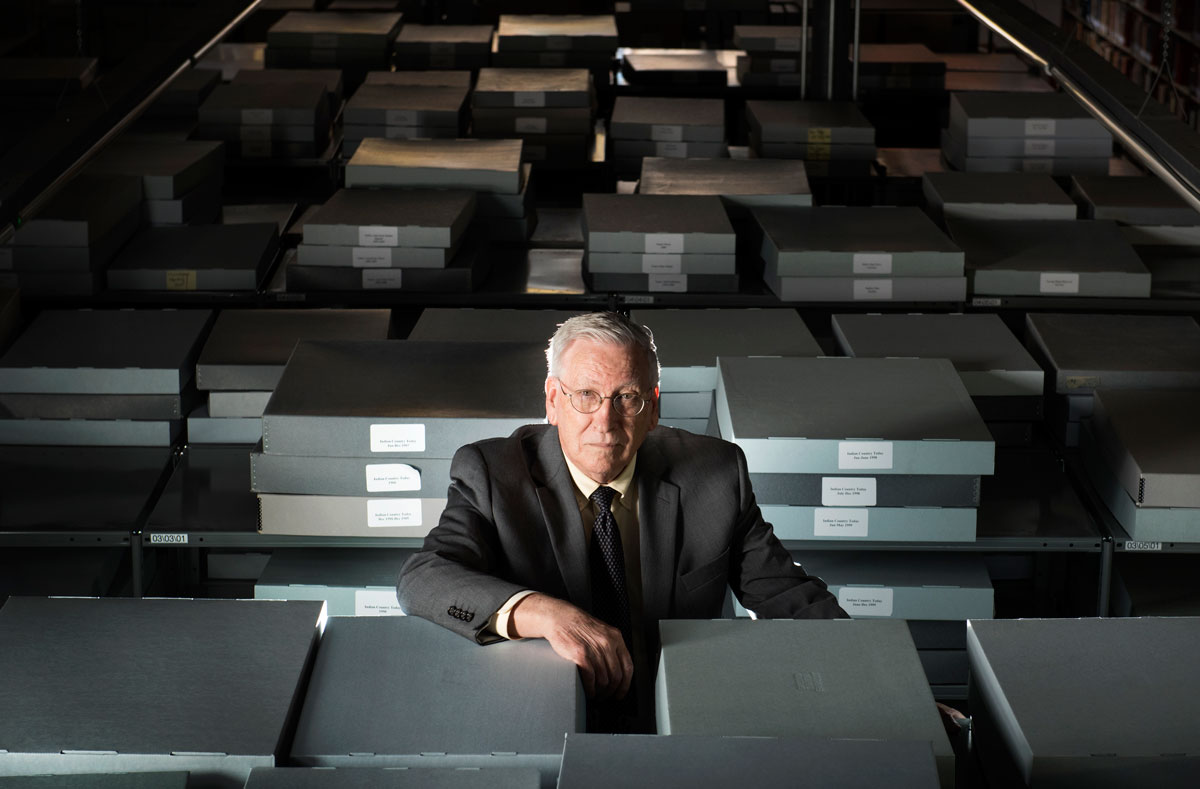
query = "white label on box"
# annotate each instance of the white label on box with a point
(1039, 147)
(378, 236)
(558, 43)
(1141, 545)
(376, 602)
(531, 126)
(1050, 282)
(381, 278)
(868, 289)
(872, 263)
(787, 44)
(6, 258)
(866, 601)
(441, 47)
(662, 132)
(392, 478)
(529, 98)
(662, 264)
(371, 257)
(168, 539)
(400, 117)
(664, 243)
(325, 41)
(1037, 165)
(839, 522)
(667, 283)
(255, 133)
(1039, 127)
(258, 117)
(256, 149)
(675, 150)
(385, 513)
(864, 455)
(848, 491)
(782, 65)
(398, 438)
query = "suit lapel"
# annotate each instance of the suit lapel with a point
(556, 494)
(658, 521)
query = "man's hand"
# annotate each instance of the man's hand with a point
(594, 646)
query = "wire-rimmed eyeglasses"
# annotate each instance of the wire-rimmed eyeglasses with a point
(585, 401)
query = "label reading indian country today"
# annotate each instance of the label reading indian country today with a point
(839, 522)
(381, 278)
(529, 98)
(848, 491)
(530, 126)
(1039, 147)
(258, 117)
(667, 283)
(664, 243)
(1050, 282)
(371, 257)
(378, 236)
(867, 289)
(866, 601)
(398, 438)
(662, 132)
(662, 264)
(392, 478)
(400, 117)
(1039, 127)
(393, 513)
(872, 263)
(858, 455)
(376, 602)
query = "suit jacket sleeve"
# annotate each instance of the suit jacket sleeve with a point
(454, 579)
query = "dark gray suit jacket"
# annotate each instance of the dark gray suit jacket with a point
(512, 522)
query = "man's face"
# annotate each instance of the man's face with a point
(602, 443)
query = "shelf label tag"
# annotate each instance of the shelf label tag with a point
(392, 513)
(1065, 282)
(866, 601)
(839, 522)
(392, 477)
(848, 491)
(398, 438)
(859, 455)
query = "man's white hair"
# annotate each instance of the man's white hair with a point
(611, 328)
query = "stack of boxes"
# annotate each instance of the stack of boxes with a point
(690, 342)
(1004, 381)
(659, 244)
(285, 120)
(659, 68)
(858, 254)
(244, 357)
(401, 239)
(833, 137)
(183, 97)
(772, 58)
(197, 257)
(861, 450)
(358, 436)
(101, 378)
(556, 41)
(328, 78)
(456, 47)
(953, 195)
(181, 179)
(672, 128)
(1083, 353)
(1024, 132)
(491, 168)
(354, 41)
(551, 110)
(403, 112)
(65, 248)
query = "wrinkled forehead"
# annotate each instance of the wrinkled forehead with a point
(600, 362)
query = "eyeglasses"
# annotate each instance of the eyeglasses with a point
(626, 404)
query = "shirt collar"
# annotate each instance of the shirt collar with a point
(587, 486)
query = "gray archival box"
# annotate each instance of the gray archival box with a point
(406, 105)
(248, 349)
(215, 684)
(391, 218)
(743, 182)
(879, 416)
(351, 581)
(1096, 703)
(668, 120)
(557, 32)
(996, 196)
(392, 778)
(1017, 114)
(169, 169)
(1085, 352)
(601, 761)
(196, 257)
(401, 691)
(482, 165)
(829, 679)
(1151, 441)
(327, 476)
(402, 399)
(105, 352)
(656, 224)
(825, 122)
(1132, 201)
(488, 325)
(532, 88)
(923, 586)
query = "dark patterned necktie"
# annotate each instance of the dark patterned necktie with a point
(610, 598)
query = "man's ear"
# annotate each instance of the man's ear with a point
(552, 395)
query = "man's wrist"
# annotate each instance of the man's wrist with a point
(503, 619)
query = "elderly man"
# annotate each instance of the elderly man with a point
(589, 530)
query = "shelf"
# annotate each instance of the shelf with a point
(1157, 19)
